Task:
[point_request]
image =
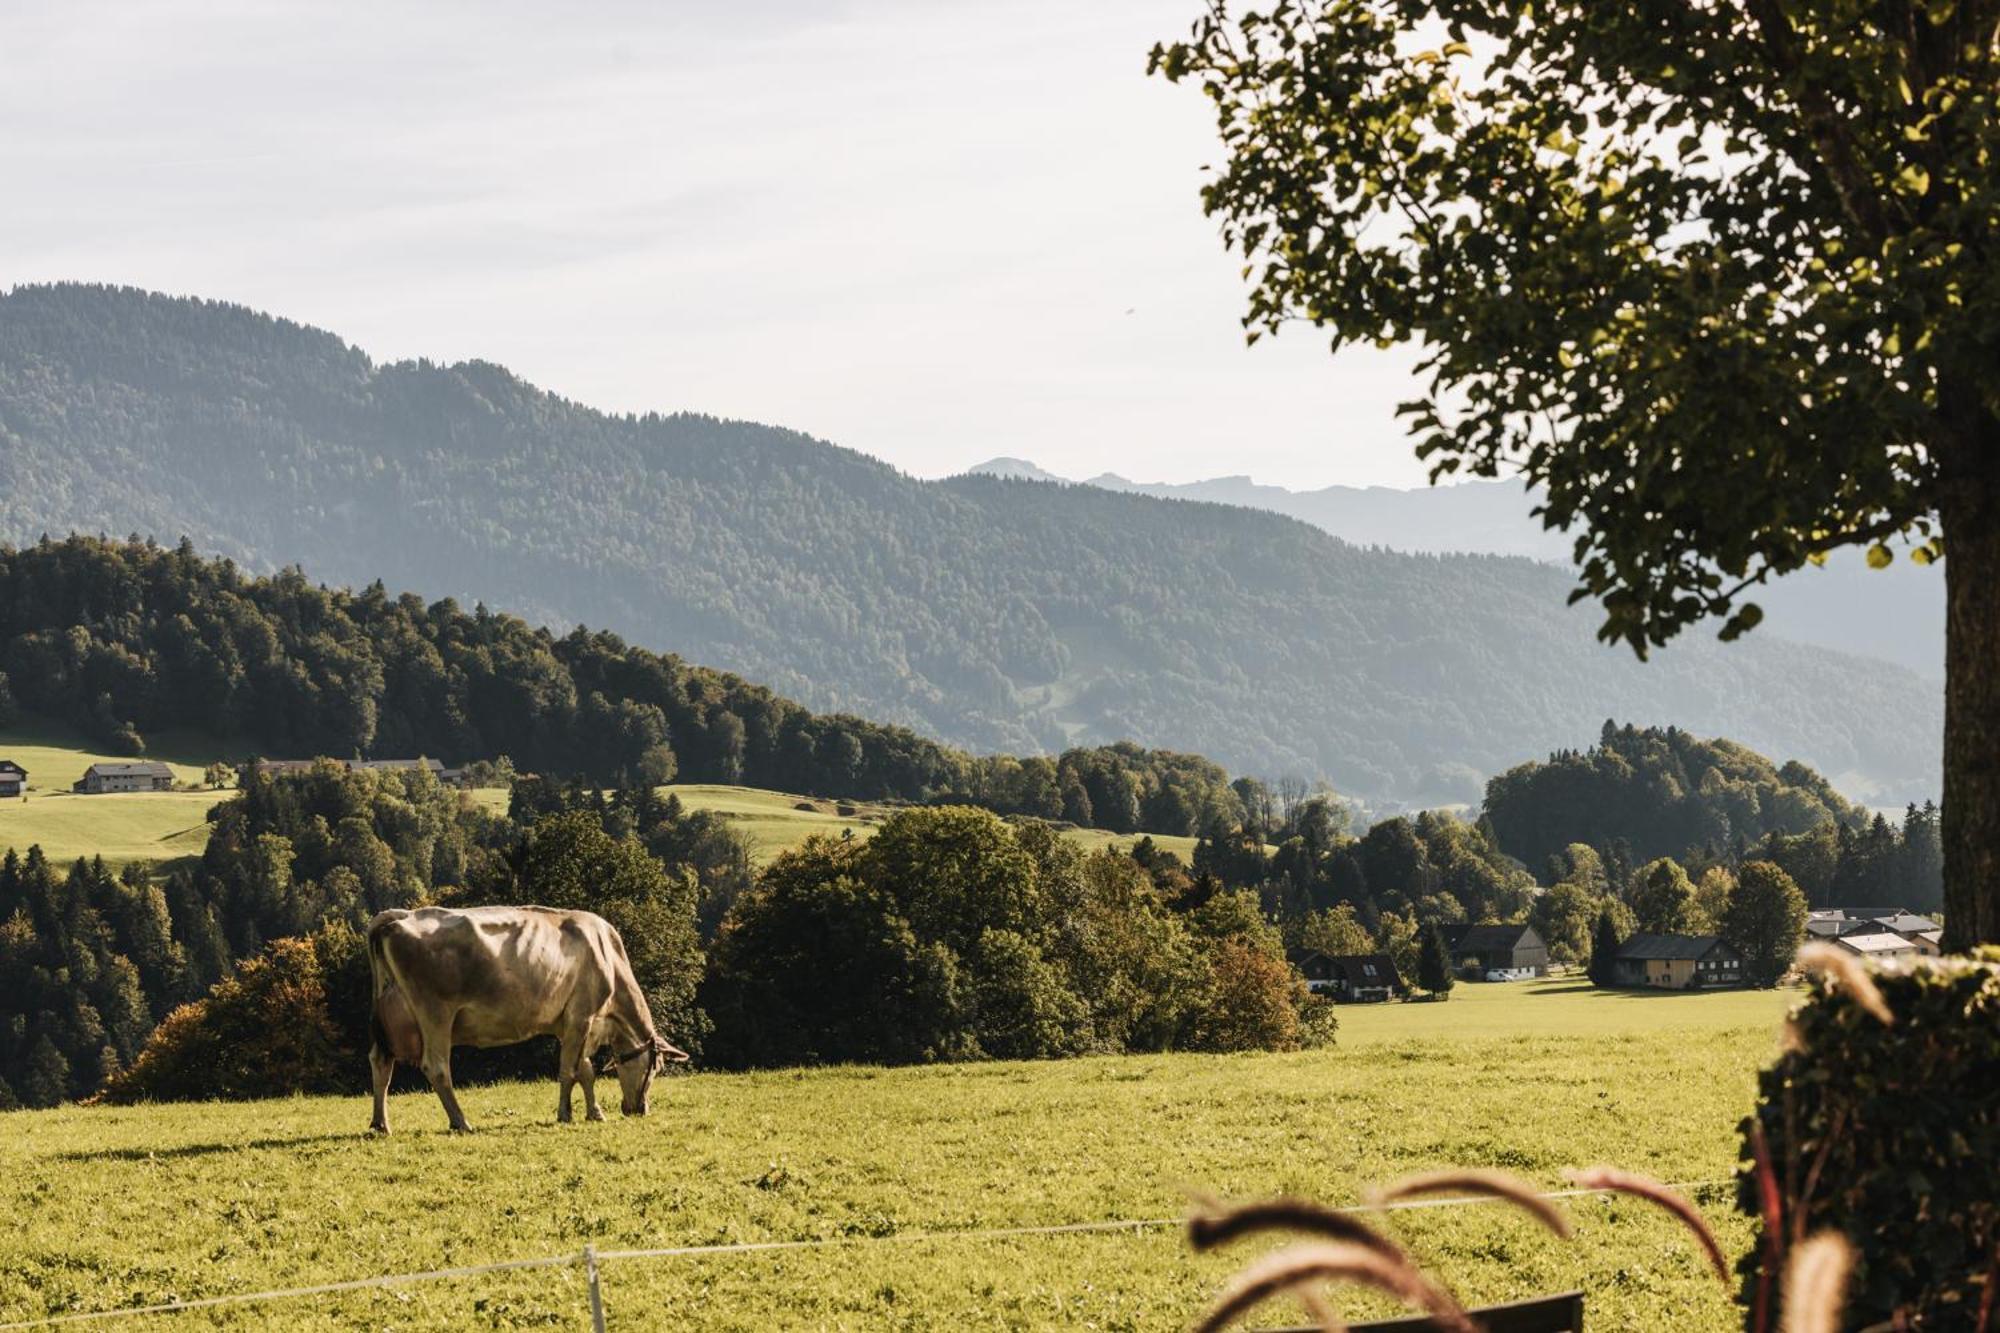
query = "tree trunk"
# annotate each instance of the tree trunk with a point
(1971, 819)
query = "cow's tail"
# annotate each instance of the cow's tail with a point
(382, 978)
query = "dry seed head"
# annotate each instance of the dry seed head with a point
(1833, 962)
(1816, 1283)
(1480, 1184)
(1333, 1261)
(1215, 1225)
(1612, 1179)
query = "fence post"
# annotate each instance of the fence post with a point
(596, 1293)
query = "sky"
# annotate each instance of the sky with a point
(933, 232)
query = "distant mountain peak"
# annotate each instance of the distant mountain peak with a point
(1015, 469)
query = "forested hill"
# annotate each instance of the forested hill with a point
(996, 614)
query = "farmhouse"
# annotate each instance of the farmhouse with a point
(1353, 978)
(1676, 962)
(1843, 923)
(13, 778)
(143, 775)
(1497, 953)
(1879, 946)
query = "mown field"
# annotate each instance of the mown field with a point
(160, 826)
(121, 826)
(112, 1207)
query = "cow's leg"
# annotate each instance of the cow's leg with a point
(437, 1068)
(567, 1074)
(381, 1067)
(586, 1074)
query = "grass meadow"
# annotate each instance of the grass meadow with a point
(162, 826)
(119, 826)
(112, 1207)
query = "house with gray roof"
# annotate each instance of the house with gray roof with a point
(1676, 962)
(13, 779)
(141, 775)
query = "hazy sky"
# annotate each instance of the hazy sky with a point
(932, 232)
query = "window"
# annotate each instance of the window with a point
(1368, 969)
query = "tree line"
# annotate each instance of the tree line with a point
(952, 934)
(995, 615)
(122, 639)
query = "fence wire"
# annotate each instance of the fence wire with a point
(591, 1259)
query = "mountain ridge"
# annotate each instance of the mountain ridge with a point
(997, 614)
(1895, 615)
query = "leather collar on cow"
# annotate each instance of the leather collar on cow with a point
(648, 1046)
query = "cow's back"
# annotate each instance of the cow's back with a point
(506, 972)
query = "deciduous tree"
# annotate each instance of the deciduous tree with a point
(1717, 278)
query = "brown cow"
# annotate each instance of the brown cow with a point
(492, 976)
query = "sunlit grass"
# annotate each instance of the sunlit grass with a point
(118, 1206)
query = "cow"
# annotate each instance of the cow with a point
(492, 976)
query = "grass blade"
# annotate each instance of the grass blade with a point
(1834, 963)
(1209, 1229)
(1644, 1187)
(1479, 1184)
(1816, 1283)
(1323, 1261)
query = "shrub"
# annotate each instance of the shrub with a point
(264, 1031)
(1891, 1134)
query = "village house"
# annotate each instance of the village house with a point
(1350, 978)
(139, 775)
(1497, 953)
(1840, 923)
(1879, 947)
(13, 779)
(1676, 962)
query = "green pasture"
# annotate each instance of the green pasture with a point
(120, 826)
(113, 1207)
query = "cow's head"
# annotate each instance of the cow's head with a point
(636, 1068)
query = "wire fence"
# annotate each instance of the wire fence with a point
(591, 1259)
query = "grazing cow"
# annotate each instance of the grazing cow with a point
(492, 976)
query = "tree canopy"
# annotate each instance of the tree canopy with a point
(1717, 278)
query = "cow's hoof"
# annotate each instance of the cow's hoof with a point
(378, 1129)
(595, 1117)
(461, 1128)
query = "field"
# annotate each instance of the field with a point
(120, 827)
(160, 826)
(114, 1207)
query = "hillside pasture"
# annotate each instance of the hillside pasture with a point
(775, 822)
(877, 1167)
(119, 826)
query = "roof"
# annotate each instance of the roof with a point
(1480, 939)
(1909, 923)
(141, 768)
(9, 766)
(1353, 969)
(1871, 913)
(1646, 945)
(1887, 942)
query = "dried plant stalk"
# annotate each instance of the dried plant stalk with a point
(1330, 1261)
(1643, 1187)
(1831, 961)
(1219, 1226)
(1816, 1283)
(1481, 1184)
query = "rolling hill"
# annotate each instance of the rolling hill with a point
(1896, 614)
(996, 614)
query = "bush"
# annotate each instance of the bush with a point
(265, 1031)
(1891, 1134)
